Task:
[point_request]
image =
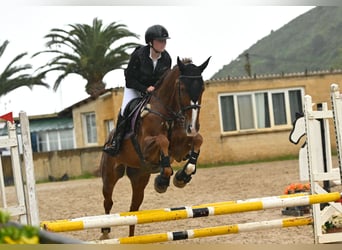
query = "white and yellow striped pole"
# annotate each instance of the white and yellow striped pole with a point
(158, 215)
(210, 231)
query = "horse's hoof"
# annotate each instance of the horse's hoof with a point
(181, 179)
(178, 183)
(161, 184)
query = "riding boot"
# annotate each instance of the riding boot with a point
(114, 147)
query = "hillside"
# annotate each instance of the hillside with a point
(312, 41)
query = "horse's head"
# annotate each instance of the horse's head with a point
(298, 130)
(191, 87)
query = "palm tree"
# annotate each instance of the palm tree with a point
(87, 51)
(12, 77)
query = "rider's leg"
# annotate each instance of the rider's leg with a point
(114, 147)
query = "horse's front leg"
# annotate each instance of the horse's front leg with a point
(162, 181)
(183, 176)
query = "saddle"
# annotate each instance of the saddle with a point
(132, 113)
(134, 110)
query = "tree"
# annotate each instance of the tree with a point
(88, 51)
(13, 77)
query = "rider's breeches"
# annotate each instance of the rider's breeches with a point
(129, 94)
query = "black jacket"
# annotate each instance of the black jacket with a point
(139, 73)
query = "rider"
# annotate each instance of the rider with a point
(147, 64)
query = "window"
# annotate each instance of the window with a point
(262, 110)
(279, 109)
(43, 144)
(66, 139)
(258, 110)
(228, 113)
(295, 103)
(52, 140)
(109, 125)
(245, 107)
(89, 125)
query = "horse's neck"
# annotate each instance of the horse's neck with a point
(167, 92)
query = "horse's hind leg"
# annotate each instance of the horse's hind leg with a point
(110, 175)
(139, 180)
(183, 176)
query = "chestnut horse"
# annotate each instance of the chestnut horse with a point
(166, 130)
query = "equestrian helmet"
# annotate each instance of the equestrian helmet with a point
(156, 32)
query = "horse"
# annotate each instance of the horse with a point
(166, 130)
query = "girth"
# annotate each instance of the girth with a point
(133, 111)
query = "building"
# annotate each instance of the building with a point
(48, 132)
(242, 119)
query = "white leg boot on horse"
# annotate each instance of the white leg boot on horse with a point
(183, 176)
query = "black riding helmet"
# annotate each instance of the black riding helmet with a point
(156, 32)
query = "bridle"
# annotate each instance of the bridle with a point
(178, 116)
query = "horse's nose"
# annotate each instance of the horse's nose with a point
(192, 128)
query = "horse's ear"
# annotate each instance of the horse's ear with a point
(180, 64)
(204, 65)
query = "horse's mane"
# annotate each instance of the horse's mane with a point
(175, 67)
(187, 60)
(158, 84)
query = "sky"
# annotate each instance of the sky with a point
(197, 31)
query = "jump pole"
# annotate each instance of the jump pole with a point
(210, 231)
(141, 217)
